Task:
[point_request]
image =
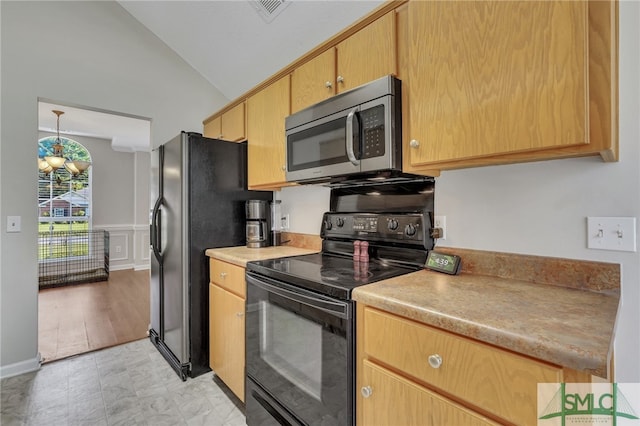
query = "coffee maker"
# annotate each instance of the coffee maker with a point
(258, 223)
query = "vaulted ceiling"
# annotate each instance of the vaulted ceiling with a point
(228, 42)
(232, 46)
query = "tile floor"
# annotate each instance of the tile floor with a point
(129, 384)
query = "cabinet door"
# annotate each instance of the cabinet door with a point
(266, 111)
(226, 338)
(212, 129)
(313, 81)
(393, 400)
(232, 124)
(368, 54)
(489, 78)
(448, 413)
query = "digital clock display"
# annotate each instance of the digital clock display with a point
(447, 263)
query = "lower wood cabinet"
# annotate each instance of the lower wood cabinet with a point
(404, 365)
(226, 324)
(390, 399)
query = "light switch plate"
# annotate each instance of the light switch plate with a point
(13, 223)
(611, 233)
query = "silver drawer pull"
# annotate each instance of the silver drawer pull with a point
(223, 274)
(414, 143)
(239, 314)
(328, 84)
(435, 360)
(366, 391)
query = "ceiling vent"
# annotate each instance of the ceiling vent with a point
(269, 9)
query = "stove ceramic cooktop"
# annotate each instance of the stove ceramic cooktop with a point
(327, 274)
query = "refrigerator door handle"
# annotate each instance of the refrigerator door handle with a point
(155, 234)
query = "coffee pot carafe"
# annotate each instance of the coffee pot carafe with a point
(258, 223)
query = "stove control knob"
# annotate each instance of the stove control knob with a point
(410, 230)
(392, 225)
(328, 225)
(340, 222)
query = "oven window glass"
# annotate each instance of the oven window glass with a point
(290, 344)
(320, 145)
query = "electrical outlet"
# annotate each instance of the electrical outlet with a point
(118, 249)
(284, 222)
(611, 233)
(441, 222)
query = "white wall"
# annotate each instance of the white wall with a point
(85, 53)
(541, 208)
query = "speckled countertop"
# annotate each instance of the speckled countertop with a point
(242, 254)
(569, 327)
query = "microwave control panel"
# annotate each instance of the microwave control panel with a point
(373, 132)
(381, 227)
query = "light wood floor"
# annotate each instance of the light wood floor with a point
(82, 318)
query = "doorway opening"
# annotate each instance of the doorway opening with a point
(97, 220)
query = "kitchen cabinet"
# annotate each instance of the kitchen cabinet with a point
(400, 358)
(368, 54)
(390, 399)
(227, 297)
(266, 111)
(495, 82)
(228, 126)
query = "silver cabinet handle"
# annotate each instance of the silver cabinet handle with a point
(328, 84)
(435, 360)
(239, 314)
(284, 168)
(223, 274)
(414, 143)
(220, 136)
(340, 79)
(366, 391)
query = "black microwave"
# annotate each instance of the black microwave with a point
(355, 134)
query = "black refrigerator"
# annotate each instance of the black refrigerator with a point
(198, 193)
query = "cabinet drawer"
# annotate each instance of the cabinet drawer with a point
(228, 276)
(492, 379)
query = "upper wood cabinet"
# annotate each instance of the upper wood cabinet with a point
(266, 111)
(368, 54)
(229, 126)
(313, 81)
(364, 56)
(495, 82)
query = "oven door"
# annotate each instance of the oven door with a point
(299, 351)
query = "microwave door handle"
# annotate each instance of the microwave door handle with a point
(349, 139)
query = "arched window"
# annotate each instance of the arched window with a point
(64, 199)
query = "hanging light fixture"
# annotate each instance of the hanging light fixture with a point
(57, 160)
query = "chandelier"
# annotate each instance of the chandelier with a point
(53, 162)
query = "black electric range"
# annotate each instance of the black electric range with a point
(336, 274)
(299, 323)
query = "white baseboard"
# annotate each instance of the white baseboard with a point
(143, 267)
(21, 367)
(121, 267)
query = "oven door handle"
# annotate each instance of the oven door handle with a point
(340, 309)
